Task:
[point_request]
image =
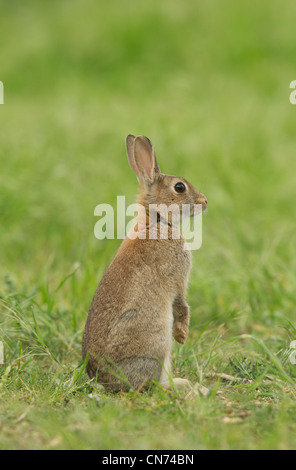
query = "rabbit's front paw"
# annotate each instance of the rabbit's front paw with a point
(180, 332)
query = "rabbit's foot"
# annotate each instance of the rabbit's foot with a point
(180, 332)
(180, 384)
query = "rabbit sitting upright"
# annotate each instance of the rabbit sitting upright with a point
(140, 305)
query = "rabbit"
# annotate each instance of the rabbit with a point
(140, 305)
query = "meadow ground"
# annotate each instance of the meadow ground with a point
(208, 83)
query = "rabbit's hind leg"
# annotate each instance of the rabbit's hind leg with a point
(180, 384)
(165, 380)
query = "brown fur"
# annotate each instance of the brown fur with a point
(140, 305)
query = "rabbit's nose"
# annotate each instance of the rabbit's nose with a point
(202, 200)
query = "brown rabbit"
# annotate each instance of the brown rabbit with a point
(140, 305)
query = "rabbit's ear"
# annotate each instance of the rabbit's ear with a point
(145, 159)
(130, 140)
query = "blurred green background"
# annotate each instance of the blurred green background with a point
(208, 83)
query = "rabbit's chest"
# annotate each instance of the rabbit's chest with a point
(178, 266)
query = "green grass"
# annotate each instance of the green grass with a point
(208, 83)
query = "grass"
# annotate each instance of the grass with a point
(208, 83)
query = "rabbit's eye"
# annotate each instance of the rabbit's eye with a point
(180, 187)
